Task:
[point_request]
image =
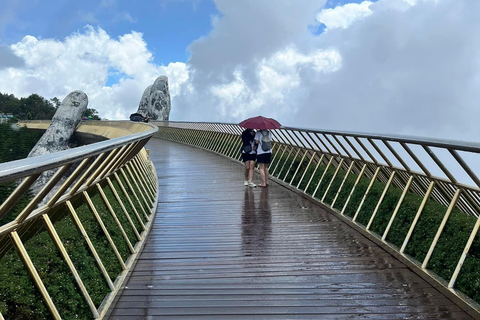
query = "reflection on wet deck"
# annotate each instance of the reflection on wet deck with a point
(219, 250)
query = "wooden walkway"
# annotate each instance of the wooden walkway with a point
(219, 250)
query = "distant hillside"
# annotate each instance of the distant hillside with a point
(16, 142)
(33, 107)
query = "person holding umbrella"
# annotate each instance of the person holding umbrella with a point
(248, 156)
(263, 142)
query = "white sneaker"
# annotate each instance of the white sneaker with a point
(251, 184)
(245, 183)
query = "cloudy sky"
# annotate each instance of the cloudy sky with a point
(387, 66)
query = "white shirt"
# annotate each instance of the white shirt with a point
(258, 137)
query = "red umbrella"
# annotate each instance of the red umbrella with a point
(260, 122)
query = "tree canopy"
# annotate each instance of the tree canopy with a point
(91, 114)
(35, 107)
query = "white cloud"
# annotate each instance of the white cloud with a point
(239, 57)
(107, 3)
(105, 7)
(278, 82)
(402, 67)
(87, 17)
(82, 62)
(344, 16)
(408, 67)
(124, 16)
(409, 70)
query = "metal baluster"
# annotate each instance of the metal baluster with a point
(417, 216)
(27, 262)
(353, 188)
(399, 203)
(440, 228)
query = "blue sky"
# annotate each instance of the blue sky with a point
(392, 66)
(168, 27)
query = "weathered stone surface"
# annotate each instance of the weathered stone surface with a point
(58, 134)
(155, 102)
(64, 122)
(143, 105)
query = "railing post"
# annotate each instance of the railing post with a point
(104, 229)
(343, 182)
(17, 242)
(331, 180)
(392, 176)
(353, 189)
(399, 203)
(58, 243)
(417, 216)
(314, 154)
(323, 175)
(314, 172)
(125, 212)
(473, 234)
(114, 215)
(80, 227)
(372, 181)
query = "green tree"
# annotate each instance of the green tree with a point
(56, 102)
(91, 114)
(34, 107)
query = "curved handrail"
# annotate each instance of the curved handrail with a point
(118, 170)
(354, 174)
(25, 167)
(435, 142)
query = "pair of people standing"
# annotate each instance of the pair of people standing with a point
(256, 146)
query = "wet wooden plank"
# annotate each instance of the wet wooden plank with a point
(353, 316)
(220, 250)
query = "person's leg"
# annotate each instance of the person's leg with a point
(247, 170)
(250, 173)
(262, 174)
(266, 173)
(251, 166)
(245, 183)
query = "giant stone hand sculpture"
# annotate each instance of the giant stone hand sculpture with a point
(155, 102)
(63, 124)
(58, 134)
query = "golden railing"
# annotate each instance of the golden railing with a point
(372, 182)
(119, 172)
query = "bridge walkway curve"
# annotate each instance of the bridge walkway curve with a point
(219, 250)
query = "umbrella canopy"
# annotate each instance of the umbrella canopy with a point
(260, 122)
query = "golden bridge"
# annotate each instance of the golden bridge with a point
(153, 221)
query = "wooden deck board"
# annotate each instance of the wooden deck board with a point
(219, 250)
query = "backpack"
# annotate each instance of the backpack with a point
(247, 139)
(266, 141)
(137, 117)
(247, 148)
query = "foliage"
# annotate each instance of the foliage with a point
(19, 298)
(16, 141)
(15, 144)
(450, 245)
(34, 107)
(91, 114)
